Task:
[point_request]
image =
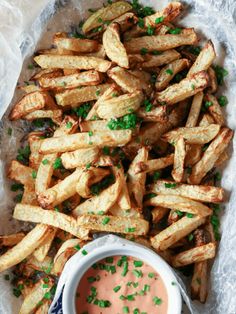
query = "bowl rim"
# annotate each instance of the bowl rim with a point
(125, 248)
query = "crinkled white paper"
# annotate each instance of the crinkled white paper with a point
(23, 22)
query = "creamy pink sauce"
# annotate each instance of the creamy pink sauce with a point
(141, 284)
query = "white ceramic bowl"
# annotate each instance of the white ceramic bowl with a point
(124, 248)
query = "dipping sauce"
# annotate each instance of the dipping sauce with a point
(120, 285)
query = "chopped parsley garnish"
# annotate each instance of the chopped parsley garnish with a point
(156, 175)
(136, 311)
(150, 30)
(98, 92)
(190, 237)
(223, 101)
(69, 125)
(215, 221)
(106, 150)
(156, 52)
(83, 110)
(217, 176)
(157, 301)
(130, 297)
(151, 275)
(105, 220)
(9, 131)
(77, 247)
(17, 186)
(208, 104)
(138, 263)
(102, 303)
(175, 31)
(148, 105)
(18, 198)
(39, 123)
(116, 289)
(169, 71)
(57, 163)
(125, 309)
(109, 260)
(170, 185)
(221, 73)
(205, 146)
(109, 1)
(30, 66)
(159, 20)
(153, 78)
(114, 95)
(193, 87)
(143, 51)
(90, 133)
(45, 161)
(128, 121)
(179, 213)
(146, 288)
(34, 174)
(91, 279)
(137, 273)
(88, 165)
(194, 50)
(130, 229)
(149, 196)
(189, 215)
(140, 23)
(125, 269)
(140, 10)
(98, 187)
(23, 154)
(84, 252)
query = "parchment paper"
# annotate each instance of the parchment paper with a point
(23, 22)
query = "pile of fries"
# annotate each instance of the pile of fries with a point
(136, 136)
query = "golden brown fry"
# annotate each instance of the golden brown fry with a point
(47, 73)
(30, 88)
(84, 140)
(204, 59)
(119, 106)
(132, 226)
(116, 210)
(194, 154)
(163, 58)
(76, 44)
(101, 125)
(199, 287)
(67, 249)
(108, 13)
(53, 218)
(179, 158)
(223, 157)
(21, 173)
(35, 158)
(44, 307)
(55, 115)
(76, 97)
(209, 194)
(157, 114)
(175, 232)
(29, 103)
(215, 109)
(197, 254)
(80, 157)
(210, 156)
(25, 247)
(136, 182)
(145, 79)
(41, 252)
(71, 81)
(11, 239)
(213, 85)
(123, 200)
(113, 46)
(197, 135)
(154, 164)
(36, 295)
(72, 62)
(158, 213)
(186, 88)
(180, 203)
(195, 110)
(162, 42)
(206, 120)
(168, 72)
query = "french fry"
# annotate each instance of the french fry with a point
(119, 106)
(223, 157)
(29, 197)
(194, 110)
(157, 114)
(116, 210)
(71, 81)
(179, 158)
(206, 120)
(75, 96)
(132, 226)
(34, 140)
(213, 85)
(208, 194)
(215, 109)
(106, 14)
(80, 157)
(55, 115)
(60, 191)
(21, 173)
(25, 247)
(210, 156)
(154, 164)
(162, 42)
(180, 203)
(144, 78)
(136, 182)
(123, 200)
(72, 62)
(199, 282)
(173, 217)
(62, 221)
(29, 103)
(76, 44)
(84, 140)
(31, 301)
(41, 252)
(158, 213)
(196, 135)
(101, 125)
(125, 21)
(125, 79)
(197, 254)
(175, 232)
(102, 202)
(168, 72)
(67, 249)
(164, 58)
(44, 307)
(47, 73)
(33, 264)
(113, 46)
(194, 154)
(30, 88)
(11, 239)
(204, 59)
(186, 88)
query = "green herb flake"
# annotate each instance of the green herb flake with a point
(148, 105)
(34, 174)
(45, 161)
(45, 286)
(137, 273)
(140, 23)
(125, 269)
(31, 66)
(130, 297)
(90, 133)
(143, 51)
(170, 185)
(130, 229)
(84, 252)
(169, 71)
(157, 301)
(106, 150)
(223, 101)
(138, 263)
(221, 73)
(23, 154)
(151, 275)
(77, 247)
(125, 309)
(18, 198)
(105, 220)
(88, 165)
(136, 311)
(109, 260)
(116, 289)
(189, 215)
(156, 52)
(173, 283)
(159, 20)
(193, 87)
(101, 212)
(9, 131)
(69, 125)
(217, 176)
(47, 295)
(98, 92)
(83, 110)
(190, 237)
(150, 30)
(128, 121)
(175, 31)
(17, 186)
(179, 213)
(57, 163)
(208, 104)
